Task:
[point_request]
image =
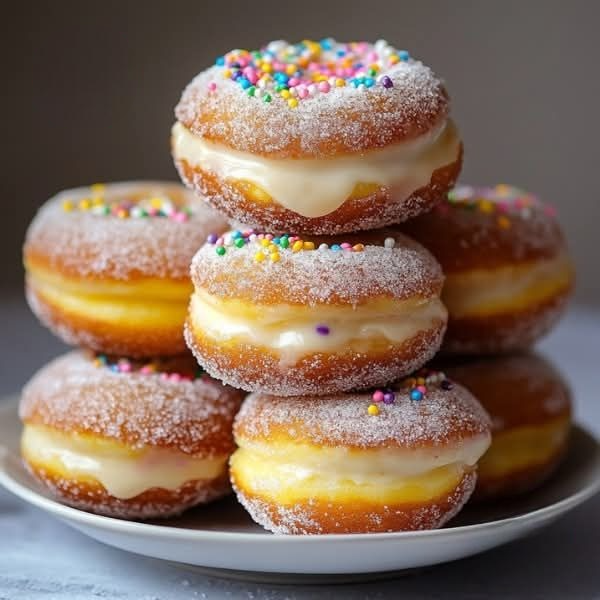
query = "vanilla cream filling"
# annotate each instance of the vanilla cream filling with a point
(509, 288)
(317, 187)
(279, 328)
(293, 464)
(133, 303)
(123, 472)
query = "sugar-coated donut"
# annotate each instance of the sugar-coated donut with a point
(127, 439)
(288, 316)
(508, 273)
(317, 137)
(530, 407)
(402, 458)
(107, 266)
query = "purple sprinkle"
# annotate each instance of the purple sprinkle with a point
(389, 397)
(387, 82)
(446, 384)
(322, 329)
(212, 238)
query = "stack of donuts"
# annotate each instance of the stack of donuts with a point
(377, 319)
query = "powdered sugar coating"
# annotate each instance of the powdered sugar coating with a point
(309, 517)
(71, 394)
(345, 120)
(85, 245)
(441, 418)
(318, 276)
(151, 504)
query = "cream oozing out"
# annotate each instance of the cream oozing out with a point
(498, 289)
(387, 466)
(295, 337)
(317, 187)
(124, 475)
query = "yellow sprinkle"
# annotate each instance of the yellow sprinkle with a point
(308, 246)
(67, 206)
(298, 245)
(97, 188)
(97, 200)
(266, 67)
(285, 94)
(156, 202)
(340, 83)
(485, 206)
(394, 58)
(265, 242)
(503, 189)
(275, 257)
(292, 102)
(374, 66)
(259, 256)
(503, 222)
(373, 410)
(226, 73)
(273, 248)
(290, 69)
(420, 381)
(85, 204)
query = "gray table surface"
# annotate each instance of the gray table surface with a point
(42, 558)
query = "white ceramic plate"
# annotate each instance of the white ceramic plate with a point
(223, 537)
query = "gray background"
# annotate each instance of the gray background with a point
(89, 87)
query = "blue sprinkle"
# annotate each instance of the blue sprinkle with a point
(403, 55)
(336, 247)
(244, 82)
(276, 240)
(220, 61)
(341, 52)
(369, 81)
(326, 44)
(416, 395)
(236, 234)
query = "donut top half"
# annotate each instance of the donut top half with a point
(313, 99)
(351, 270)
(424, 411)
(163, 404)
(120, 231)
(488, 227)
(517, 390)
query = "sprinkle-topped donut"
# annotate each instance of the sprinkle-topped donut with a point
(128, 442)
(508, 272)
(299, 315)
(317, 137)
(107, 266)
(328, 465)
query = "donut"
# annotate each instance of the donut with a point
(128, 439)
(107, 266)
(530, 407)
(508, 272)
(292, 316)
(394, 459)
(317, 137)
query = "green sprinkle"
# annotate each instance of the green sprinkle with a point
(284, 242)
(267, 98)
(220, 250)
(239, 243)
(251, 91)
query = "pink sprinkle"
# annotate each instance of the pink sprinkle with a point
(502, 206)
(302, 92)
(220, 242)
(164, 376)
(125, 367)
(180, 217)
(212, 86)
(378, 396)
(175, 377)
(269, 236)
(294, 81)
(346, 246)
(146, 370)
(324, 86)
(252, 237)
(422, 388)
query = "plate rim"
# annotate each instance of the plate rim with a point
(153, 530)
